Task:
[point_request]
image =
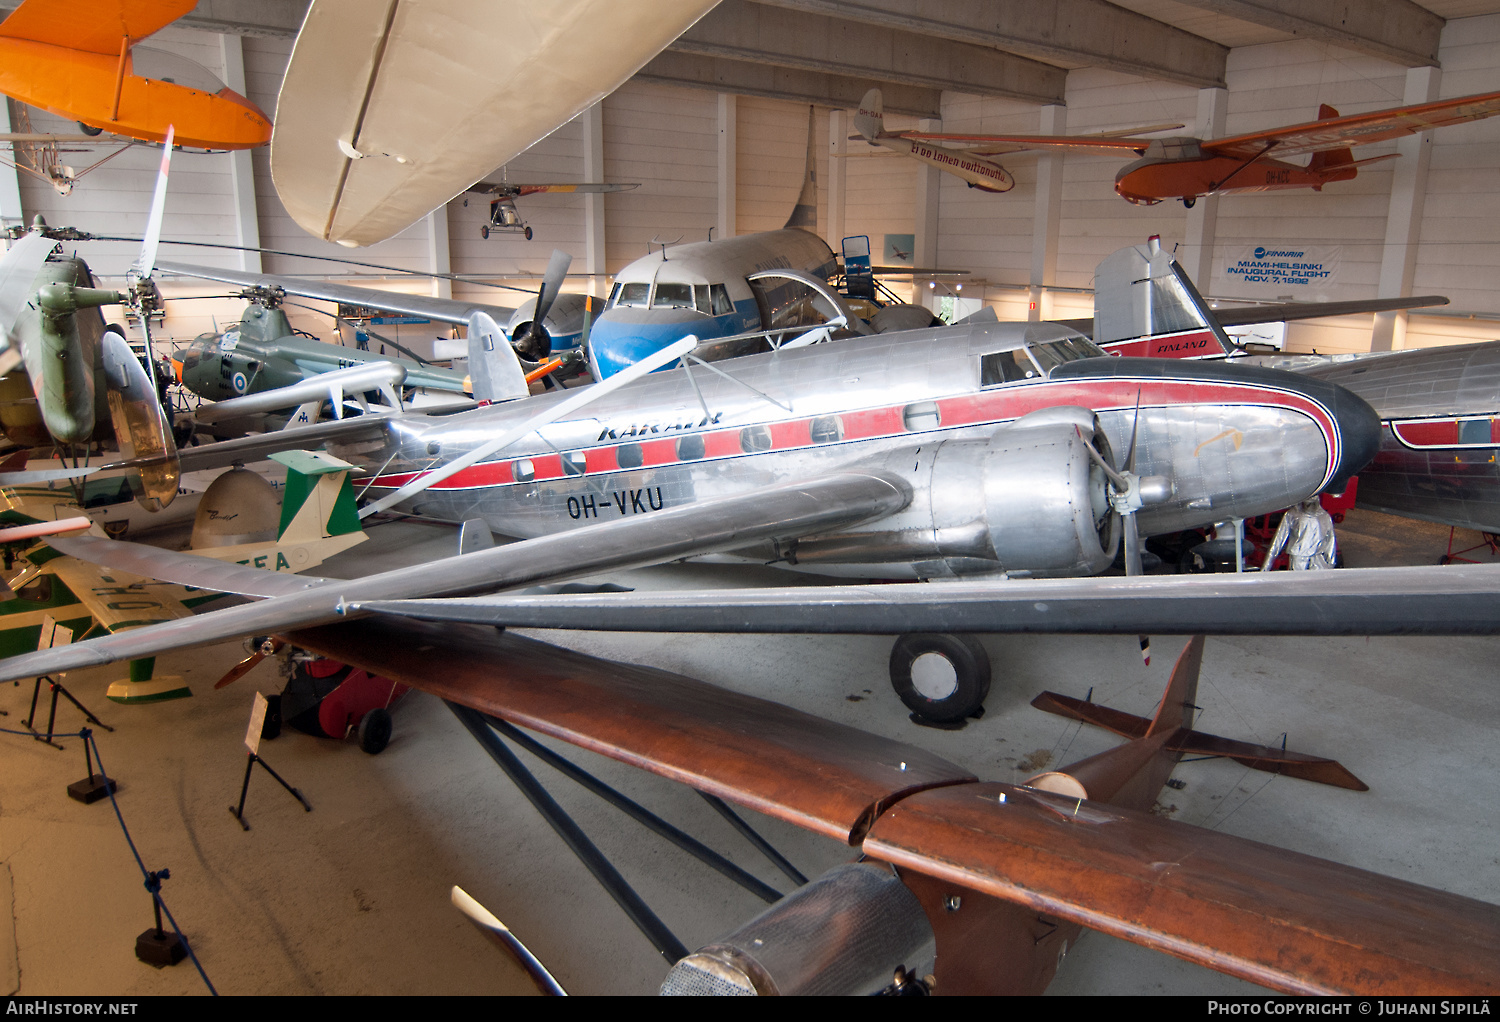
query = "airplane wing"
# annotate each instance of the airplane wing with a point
(98, 29)
(259, 445)
(1279, 918)
(387, 112)
(1425, 600)
(592, 187)
(444, 310)
(1285, 313)
(997, 144)
(119, 600)
(786, 511)
(1357, 129)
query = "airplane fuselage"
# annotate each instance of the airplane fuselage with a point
(700, 289)
(978, 172)
(1183, 171)
(261, 353)
(989, 440)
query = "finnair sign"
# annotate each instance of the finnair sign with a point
(1284, 269)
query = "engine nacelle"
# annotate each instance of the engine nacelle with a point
(1029, 499)
(852, 931)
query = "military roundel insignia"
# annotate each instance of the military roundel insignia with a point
(239, 383)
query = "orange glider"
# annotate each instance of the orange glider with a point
(1185, 168)
(81, 62)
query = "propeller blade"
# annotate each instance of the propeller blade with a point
(246, 665)
(499, 934)
(552, 282)
(145, 263)
(1135, 425)
(1132, 545)
(18, 269)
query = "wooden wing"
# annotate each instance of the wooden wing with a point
(1357, 129)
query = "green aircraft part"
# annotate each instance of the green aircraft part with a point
(261, 353)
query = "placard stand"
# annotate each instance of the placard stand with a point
(54, 634)
(252, 744)
(94, 786)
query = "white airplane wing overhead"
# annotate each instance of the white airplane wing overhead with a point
(780, 512)
(1426, 600)
(388, 110)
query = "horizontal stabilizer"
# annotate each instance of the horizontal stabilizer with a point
(1196, 743)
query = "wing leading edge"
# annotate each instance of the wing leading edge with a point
(1428, 600)
(786, 511)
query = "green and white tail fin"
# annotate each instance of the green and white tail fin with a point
(318, 502)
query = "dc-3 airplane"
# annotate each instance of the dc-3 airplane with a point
(1185, 168)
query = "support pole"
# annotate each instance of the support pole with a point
(665, 942)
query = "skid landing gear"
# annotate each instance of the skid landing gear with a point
(942, 679)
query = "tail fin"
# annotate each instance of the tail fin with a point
(494, 371)
(869, 120)
(1144, 304)
(805, 213)
(1176, 708)
(319, 499)
(1330, 162)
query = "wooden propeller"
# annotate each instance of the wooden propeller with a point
(268, 648)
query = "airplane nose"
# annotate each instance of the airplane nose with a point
(1358, 427)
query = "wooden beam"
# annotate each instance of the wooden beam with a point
(740, 30)
(767, 80)
(1396, 30)
(1071, 33)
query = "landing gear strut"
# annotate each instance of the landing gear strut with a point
(941, 678)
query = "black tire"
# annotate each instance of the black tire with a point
(1190, 203)
(375, 731)
(484, 231)
(527, 232)
(941, 699)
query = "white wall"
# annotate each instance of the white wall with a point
(666, 139)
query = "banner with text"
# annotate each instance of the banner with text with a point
(1283, 271)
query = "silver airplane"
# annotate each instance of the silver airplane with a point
(987, 451)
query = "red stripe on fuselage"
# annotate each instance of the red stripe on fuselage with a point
(992, 407)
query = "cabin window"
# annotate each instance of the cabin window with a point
(523, 470)
(690, 447)
(635, 295)
(826, 429)
(574, 463)
(630, 456)
(701, 300)
(920, 416)
(1474, 431)
(673, 296)
(754, 439)
(722, 305)
(1005, 367)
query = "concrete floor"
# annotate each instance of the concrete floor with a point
(352, 898)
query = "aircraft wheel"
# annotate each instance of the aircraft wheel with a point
(527, 232)
(375, 730)
(942, 678)
(1190, 203)
(484, 230)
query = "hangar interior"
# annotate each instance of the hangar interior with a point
(352, 898)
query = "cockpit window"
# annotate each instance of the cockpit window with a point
(633, 295)
(171, 67)
(722, 305)
(673, 296)
(1050, 354)
(1005, 367)
(701, 300)
(614, 293)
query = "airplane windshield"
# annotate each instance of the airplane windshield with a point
(1049, 354)
(633, 295)
(170, 67)
(673, 296)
